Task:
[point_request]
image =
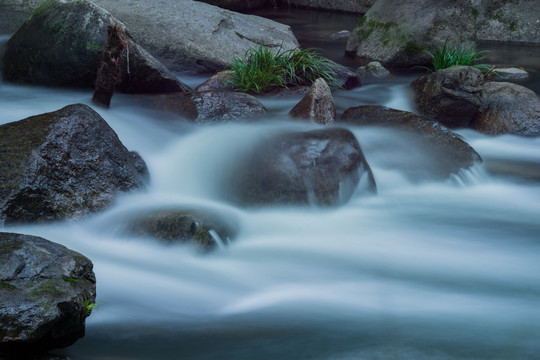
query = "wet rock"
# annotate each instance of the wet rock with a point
(217, 82)
(508, 21)
(61, 44)
(317, 106)
(240, 5)
(205, 229)
(459, 97)
(209, 106)
(321, 167)
(396, 32)
(65, 164)
(45, 294)
(194, 36)
(451, 96)
(449, 152)
(373, 70)
(347, 78)
(508, 108)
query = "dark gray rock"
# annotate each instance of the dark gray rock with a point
(317, 105)
(209, 106)
(61, 44)
(45, 293)
(451, 96)
(64, 164)
(320, 167)
(347, 78)
(217, 82)
(194, 36)
(450, 153)
(395, 32)
(203, 228)
(507, 108)
(459, 97)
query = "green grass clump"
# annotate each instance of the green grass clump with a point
(445, 56)
(263, 69)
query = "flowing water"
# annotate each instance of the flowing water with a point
(423, 270)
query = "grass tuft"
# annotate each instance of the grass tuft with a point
(445, 56)
(263, 69)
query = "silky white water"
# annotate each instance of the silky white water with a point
(424, 269)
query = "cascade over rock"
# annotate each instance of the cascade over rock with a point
(45, 293)
(61, 44)
(65, 164)
(320, 167)
(448, 154)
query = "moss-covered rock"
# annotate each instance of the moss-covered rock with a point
(39, 310)
(61, 44)
(395, 33)
(64, 164)
(203, 228)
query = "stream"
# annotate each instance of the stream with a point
(424, 269)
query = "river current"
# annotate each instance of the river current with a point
(424, 269)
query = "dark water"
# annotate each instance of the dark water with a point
(423, 270)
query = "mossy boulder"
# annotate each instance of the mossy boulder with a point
(320, 167)
(205, 229)
(61, 44)
(45, 294)
(65, 164)
(395, 32)
(445, 153)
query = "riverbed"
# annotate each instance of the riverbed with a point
(424, 269)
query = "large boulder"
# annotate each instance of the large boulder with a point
(394, 32)
(64, 164)
(317, 105)
(352, 6)
(459, 97)
(205, 229)
(508, 108)
(46, 293)
(319, 167)
(449, 95)
(209, 106)
(508, 21)
(194, 36)
(448, 153)
(61, 44)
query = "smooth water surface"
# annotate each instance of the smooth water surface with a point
(423, 270)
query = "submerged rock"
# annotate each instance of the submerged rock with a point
(61, 44)
(321, 167)
(209, 106)
(205, 229)
(46, 293)
(317, 105)
(65, 164)
(194, 36)
(449, 152)
(396, 32)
